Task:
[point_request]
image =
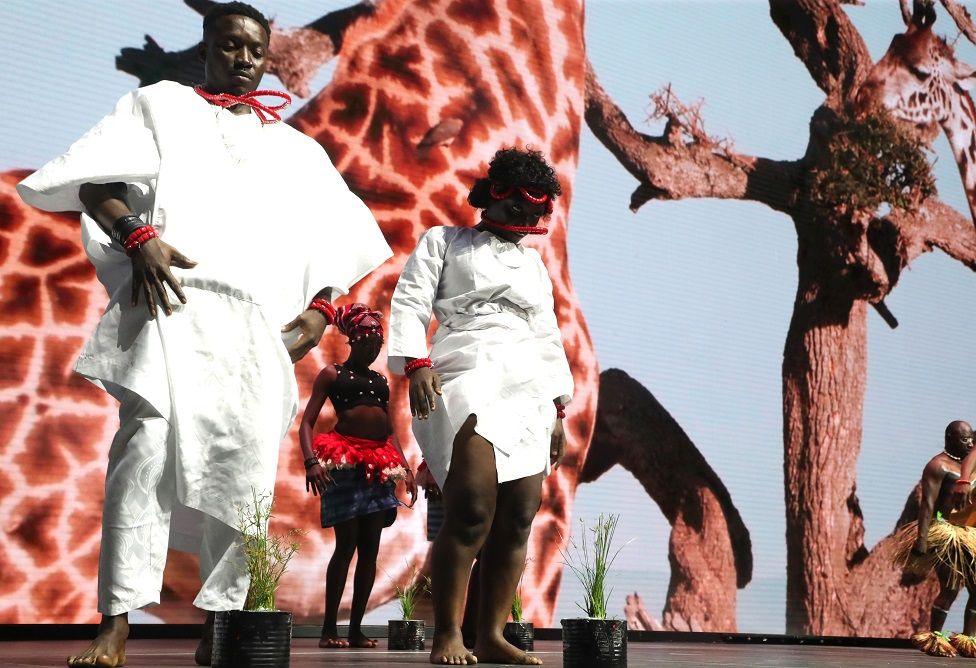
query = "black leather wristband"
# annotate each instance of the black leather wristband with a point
(125, 226)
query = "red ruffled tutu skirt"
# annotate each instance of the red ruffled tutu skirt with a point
(379, 460)
(364, 475)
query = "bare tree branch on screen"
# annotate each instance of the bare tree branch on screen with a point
(710, 550)
(295, 54)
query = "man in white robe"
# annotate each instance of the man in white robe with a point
(206, 388)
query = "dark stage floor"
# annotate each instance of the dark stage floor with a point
(640, 655)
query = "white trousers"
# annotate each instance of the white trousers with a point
(140, 493)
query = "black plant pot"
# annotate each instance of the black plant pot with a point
(244, 639)
(520, 634)
(594, 642)
(405, 634)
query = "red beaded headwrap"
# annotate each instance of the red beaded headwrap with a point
(357, 321)
(267, 114)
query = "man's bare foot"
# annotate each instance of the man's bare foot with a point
(203, 656)
(107, 650)
(495, 649)
(357, 639)
(449, 650)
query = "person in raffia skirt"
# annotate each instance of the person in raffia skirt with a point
(354, 468)
(943, 539)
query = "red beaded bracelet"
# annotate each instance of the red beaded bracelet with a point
(325, 308)
(410, 367)
(138, 237)
(560, 410)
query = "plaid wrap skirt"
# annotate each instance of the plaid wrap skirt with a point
(350, 496)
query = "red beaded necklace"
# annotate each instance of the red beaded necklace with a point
(517, 229)
(267, 114)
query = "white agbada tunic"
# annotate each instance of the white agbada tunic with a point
(270, 223)
(497, 348)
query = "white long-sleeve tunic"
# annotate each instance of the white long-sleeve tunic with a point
(497, 348)
(269, 221)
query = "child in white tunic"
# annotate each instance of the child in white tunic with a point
(496, 374)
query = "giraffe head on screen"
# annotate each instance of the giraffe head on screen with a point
(920, 82)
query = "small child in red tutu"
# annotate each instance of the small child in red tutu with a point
(354, 468)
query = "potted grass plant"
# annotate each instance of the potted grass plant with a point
(260, 634)
(407, 633)
(518, 631)
(594, 640)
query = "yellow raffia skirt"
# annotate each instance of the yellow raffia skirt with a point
(952, 545)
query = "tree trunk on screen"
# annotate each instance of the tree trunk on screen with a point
(824, 371)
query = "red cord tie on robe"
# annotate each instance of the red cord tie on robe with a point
(267, 114)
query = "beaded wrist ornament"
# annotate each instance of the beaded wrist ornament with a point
(131, 233)
(124, 227)
(410, 367)
(325, 308)
(135, 240)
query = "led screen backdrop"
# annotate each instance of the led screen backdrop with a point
(742, 404)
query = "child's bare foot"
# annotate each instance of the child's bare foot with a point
(495, 649)
(330, 639)
(449, 650)
(357, 639)
(107, 650)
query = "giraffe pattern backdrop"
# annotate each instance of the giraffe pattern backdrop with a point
(404, 70)
(411, 98)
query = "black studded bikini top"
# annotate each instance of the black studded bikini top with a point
(354, 388)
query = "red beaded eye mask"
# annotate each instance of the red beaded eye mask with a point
(533, 195)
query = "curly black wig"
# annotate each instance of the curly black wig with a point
(515, 167)
(233, 9)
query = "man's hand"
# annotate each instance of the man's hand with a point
(426, 480)
(151, 274)
(317, 479)
(960, 494)
(557, 444)
(411, 483)
(311, 324)
(425, 387)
